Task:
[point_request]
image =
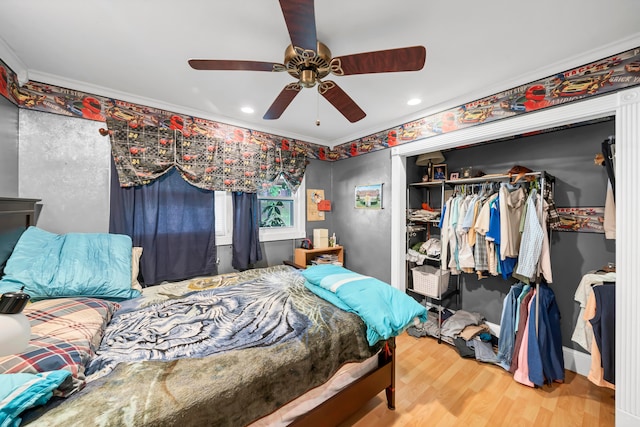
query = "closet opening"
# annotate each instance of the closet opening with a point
(568, 153)
(625, 107)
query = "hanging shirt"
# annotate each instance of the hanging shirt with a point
(603, 323)
(544, 264)
(531, 244)
(582, 333)
(609, 214)
(493, 233)
(465, 254)
(511, 207)
(454, 264)
(471, 235)
(596, 372)
(493, 237)
(444, 233)
(481, 247)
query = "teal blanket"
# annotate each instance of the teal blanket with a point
(386, 311)
(51, 265)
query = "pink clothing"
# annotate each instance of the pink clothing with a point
(522, 373)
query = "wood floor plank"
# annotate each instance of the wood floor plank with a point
(437, 387)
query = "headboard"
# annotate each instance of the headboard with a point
(15, 216)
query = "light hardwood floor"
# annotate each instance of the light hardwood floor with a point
(435, 387)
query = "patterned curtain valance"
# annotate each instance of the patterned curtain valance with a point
(242, 160)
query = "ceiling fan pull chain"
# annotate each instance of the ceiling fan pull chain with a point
(317, 108)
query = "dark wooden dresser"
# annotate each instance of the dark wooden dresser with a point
(16, 215)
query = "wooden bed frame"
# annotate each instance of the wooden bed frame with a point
(347, 402)
(20, 213)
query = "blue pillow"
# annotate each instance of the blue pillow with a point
(51, 265)
(19, 392)
(385, 310)
(316, 273)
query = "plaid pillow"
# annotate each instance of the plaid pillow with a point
(65, 333)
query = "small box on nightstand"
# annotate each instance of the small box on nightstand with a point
(320, 238)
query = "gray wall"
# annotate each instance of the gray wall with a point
(365, 234)
(8, 148)
(319, 176)
(568, 155)
(64, 161)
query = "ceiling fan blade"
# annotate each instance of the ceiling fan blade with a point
(282, 101)
(217, 64)
(343, 102)
(301, 23)
(380, 61)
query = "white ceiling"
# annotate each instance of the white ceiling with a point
(138, 50)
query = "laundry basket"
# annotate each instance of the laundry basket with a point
(430, 281)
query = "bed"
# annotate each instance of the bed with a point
(251, 345)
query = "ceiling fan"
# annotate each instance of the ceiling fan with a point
(309, 61)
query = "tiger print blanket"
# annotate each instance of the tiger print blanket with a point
(222, 356)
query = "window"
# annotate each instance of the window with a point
(276, 212)
(224, 218)
(282, 214)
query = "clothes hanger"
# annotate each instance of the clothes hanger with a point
(609, 268)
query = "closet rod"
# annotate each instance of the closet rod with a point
(483, 179)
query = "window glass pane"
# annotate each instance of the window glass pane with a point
(221, 213)
(276, 213)
(275, 190)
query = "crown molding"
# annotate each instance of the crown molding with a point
(12, 60)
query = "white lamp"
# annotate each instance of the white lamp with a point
(428, 160)
(15, 330)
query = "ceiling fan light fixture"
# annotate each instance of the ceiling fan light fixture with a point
(308, 78)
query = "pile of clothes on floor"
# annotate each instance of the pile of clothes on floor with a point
(467, 331)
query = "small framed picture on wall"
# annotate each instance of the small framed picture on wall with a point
(368, 196)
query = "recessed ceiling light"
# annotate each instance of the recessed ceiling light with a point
(247, 110)
(414, 101)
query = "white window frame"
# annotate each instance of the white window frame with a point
(298, 231)
(224, 215)
(224, 218)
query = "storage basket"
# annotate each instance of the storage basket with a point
(430, 281)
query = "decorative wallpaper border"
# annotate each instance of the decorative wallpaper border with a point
(609, 74)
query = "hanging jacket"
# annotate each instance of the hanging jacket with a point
(506, 340)
(546, 361)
